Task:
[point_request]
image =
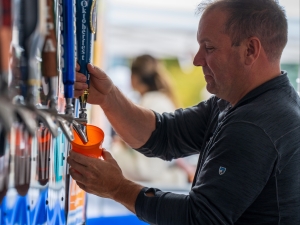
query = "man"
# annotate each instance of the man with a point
(247, 134)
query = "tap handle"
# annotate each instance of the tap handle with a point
(49, 56)
(5, 13)
(33, 30)
(5, 37)
(68, 46)
(85, 32)
(49, 51)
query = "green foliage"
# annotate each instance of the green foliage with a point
(188, 84)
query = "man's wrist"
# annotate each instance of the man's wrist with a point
(127, 193)
(106, 104)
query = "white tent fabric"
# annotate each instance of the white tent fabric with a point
(168, 28)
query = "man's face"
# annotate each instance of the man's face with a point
(221, 62)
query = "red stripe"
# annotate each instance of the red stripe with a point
(6, 13)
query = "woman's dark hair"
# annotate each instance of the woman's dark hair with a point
(151, 73)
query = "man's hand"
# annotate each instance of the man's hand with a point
(100, 85)
(103, 177)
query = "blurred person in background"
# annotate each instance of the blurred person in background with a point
(246, 134)
(150, 79)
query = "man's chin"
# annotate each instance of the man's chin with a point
(208, 87)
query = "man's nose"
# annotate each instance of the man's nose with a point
(199, 60)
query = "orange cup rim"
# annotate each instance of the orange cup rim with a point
(77, 141)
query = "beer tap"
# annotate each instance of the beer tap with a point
(28, 35)
(31, 26)
(7, 112)
(50, 71)
(68, 59)
(85, 32)
(67, 67)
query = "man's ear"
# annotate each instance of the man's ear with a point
(253, 50)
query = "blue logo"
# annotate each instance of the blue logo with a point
(222, 170)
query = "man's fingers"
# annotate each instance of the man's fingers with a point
(80, 86)
(97, 72)
(77, 67)
(83, 160)
(79, 158)
(90, 67)
(78, 93)
(106, 154)
(77, 166)
(76, 175)
(81, 185)
(80, 77)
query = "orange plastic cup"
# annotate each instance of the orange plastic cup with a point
(93, 147)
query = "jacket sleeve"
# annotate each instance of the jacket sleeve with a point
(240, 160)
(179, 134)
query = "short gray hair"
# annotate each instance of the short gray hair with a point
(265, 19)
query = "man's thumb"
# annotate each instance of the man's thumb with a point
(91, 68)
(106, 154)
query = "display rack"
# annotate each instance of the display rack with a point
(38, 111)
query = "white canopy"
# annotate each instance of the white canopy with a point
(167, 28)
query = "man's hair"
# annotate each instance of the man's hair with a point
(264, 19)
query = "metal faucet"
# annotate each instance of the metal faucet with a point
(6, 111)
(86, 15)
(49, 70)
(82, 120)
(67, 22)
(80, 127)
(31, 35)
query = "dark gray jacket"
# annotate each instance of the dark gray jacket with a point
(249, 162)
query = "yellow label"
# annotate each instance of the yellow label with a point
(93, 17)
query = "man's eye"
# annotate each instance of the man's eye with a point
(209, 48)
